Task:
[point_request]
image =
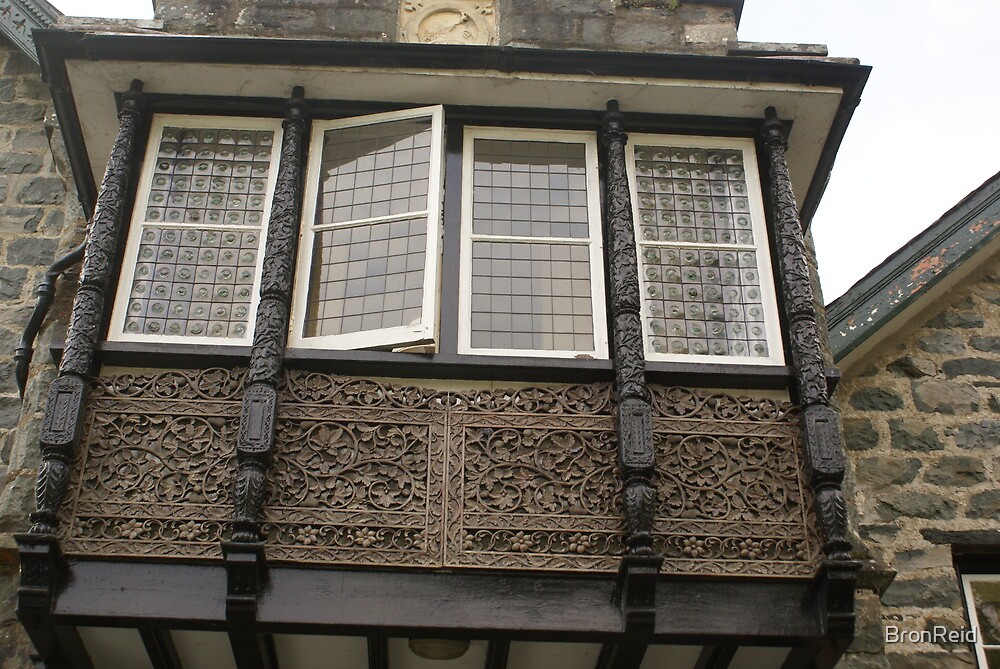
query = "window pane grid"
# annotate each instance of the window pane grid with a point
(531, 296)
(197, 251)
(369, 239)
(374, 170)
(366, 277)
(699, 263)
(210, 176)
(190, 282)
(530, 239)
(692, 195)
(530, 189)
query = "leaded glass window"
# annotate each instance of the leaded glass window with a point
(368, 261)
(703, 256)
(532, 270)
(194, 252)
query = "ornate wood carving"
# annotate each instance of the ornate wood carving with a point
(635, 437)
(255, 442)
(821, 425)
(369, 473)
(61, 425)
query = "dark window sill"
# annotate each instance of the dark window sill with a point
(449, 366)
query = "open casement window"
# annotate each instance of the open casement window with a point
(369, 253)
(704, 266)
(532, 262)
(982, 598)
(191, 269)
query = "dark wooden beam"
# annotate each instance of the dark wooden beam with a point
(803, 657)
(378, 652)
(497, 652)
(716, 657)
(160, 646)
(253, 651)
(365, 602)
(73, 649)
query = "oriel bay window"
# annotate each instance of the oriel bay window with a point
(530, 262)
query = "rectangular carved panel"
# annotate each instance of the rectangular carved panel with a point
(370, 473)
(154, 474)
(731, 491)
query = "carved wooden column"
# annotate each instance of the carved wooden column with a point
(824, 445)
(635, 425)
(63, 411)
(255, 442)
(39, 550)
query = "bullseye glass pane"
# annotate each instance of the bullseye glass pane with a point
(202, 233)
(700, 269)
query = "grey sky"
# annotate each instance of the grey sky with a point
(922, 138)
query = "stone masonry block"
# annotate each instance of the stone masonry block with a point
(956, 319)
(939, 591)
(916, 505)
(12, 281)
(971, 367)
(913, 367)
(942, 341)
(986, 344)
(912, 434)
(981, 434)
(20, 163)
(883, 470)
(945, 397)
(32, 251)
(876, 399)
(859, 435)
(958, 470)
(43, 190)
(984, 505)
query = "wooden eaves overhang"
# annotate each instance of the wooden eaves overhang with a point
(916, 274)
(811, 616)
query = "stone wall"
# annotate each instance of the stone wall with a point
(39, 221)
(617, 25)
(922, 424)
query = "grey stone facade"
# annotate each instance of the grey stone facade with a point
(922, 422)
(39, 221)
(617, 25)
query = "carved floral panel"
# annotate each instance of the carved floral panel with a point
(369, 473)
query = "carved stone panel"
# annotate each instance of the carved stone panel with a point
(378, 474)
(447, 22)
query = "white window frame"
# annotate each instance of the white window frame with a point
(594, 241)
(397, 336)
(138, 222)
(769, 302)
(970, 606)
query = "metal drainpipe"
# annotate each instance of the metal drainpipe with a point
(45, 292)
